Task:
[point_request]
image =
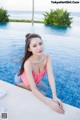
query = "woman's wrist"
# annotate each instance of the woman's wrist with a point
(55, 96)
(48, 100)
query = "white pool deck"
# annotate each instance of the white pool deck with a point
(21, 104)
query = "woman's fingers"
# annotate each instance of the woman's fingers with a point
(60, 111)
(55, 106)
(59, 103)
(59, 107)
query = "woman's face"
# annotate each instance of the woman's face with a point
(36, 46)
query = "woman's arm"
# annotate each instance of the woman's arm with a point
(37, 93)
(51, 77)
(28, 70)
(52, 83)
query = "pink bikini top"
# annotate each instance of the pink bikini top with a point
(37, 76)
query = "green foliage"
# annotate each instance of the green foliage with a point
(4, 15)
(23, 20)
(57, 17)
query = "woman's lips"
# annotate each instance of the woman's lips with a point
(39, 51)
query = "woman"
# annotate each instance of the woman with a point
(34, 66)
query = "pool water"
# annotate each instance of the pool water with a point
(62, 44)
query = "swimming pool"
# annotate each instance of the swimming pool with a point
(61, 43)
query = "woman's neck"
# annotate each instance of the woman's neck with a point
(37, 59)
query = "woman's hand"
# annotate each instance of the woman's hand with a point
(55, 106)
(58, 101)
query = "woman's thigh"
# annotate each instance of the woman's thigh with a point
(19, 82)
(42, 87)
(17, 79)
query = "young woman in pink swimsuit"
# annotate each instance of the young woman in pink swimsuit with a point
(34, 66)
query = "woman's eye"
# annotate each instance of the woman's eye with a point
(34, 46)
(40, 43)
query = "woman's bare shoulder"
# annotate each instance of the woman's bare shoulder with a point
(47, 56)
(27, 63)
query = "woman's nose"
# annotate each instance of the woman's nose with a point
(39, 47)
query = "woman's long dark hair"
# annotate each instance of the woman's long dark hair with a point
(27, 53)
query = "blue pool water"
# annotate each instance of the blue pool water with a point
(63, 45)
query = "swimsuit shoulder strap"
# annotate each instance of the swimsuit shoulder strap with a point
(46, 61)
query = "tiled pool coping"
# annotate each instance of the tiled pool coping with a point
(21, 104)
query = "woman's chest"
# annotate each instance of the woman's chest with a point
(39, 67)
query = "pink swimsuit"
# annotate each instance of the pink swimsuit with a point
(37, 76)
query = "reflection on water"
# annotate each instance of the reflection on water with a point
(3, 24)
